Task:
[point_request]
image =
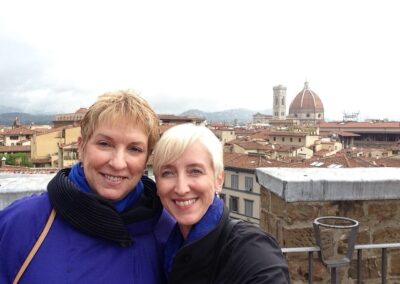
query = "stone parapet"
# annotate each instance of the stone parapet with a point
(324, 184)
(292, 198)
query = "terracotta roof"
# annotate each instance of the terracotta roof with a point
(19, 131)
(249, 145)
(7, 149)
(306, 100)
(245, 132)
(388, 162)
(338, 160)
(82, 110)
(41, 129)
(236, 160)
(321, 153)
(262, 135)
(359, 124)
(288, 133)
(41, 160)
(51, 130)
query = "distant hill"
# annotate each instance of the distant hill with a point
(25, 118)
(4, 109)
(228, 116)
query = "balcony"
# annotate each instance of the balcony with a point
(292, 198)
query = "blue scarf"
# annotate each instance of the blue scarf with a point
(206, 224)
(77, 176)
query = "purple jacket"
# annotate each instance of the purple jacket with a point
(69, 256)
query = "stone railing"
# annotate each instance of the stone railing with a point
(292, 198)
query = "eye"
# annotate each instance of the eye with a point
(195, 171)
(136, 149)
(167, 173)
(103, 143)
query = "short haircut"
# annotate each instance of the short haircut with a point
(177, 139)
(112, 107)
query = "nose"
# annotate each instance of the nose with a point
(182, 186)
(118, 161)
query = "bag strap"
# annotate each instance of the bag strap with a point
(221, 242)
(36, 246)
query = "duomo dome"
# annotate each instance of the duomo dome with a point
(307, 106)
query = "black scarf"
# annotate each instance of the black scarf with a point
(96, 216)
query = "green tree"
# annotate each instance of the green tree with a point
(18, 159)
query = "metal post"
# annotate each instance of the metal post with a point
(333, 275)
(384, 265)
(310, 267)
(359, 266)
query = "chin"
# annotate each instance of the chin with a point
(187, 222)
(111, 197)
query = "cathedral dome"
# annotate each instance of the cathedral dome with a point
(307, 105)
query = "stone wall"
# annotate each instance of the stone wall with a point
(290, 219)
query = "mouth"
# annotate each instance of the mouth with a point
(112, 178)
(185, 203)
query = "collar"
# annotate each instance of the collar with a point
(96, 216)
(206, 224)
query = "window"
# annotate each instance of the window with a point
(282, 113)
(283, 101)
(276, 101)
(248, 208)
(283, 139)
(248, 183)
(291, 139)
(274, 139)
(234, 181)
(14, 137)
(234, 204)
(299, 139)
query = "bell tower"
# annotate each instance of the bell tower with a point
(279, 103)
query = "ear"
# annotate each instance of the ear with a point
(219, 181)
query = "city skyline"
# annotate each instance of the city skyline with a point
(208, 55)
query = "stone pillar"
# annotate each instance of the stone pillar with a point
(3, 161)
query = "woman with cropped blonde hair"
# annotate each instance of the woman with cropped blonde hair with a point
(101, 220)
(206, 245)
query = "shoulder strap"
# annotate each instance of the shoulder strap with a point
(36, 246)
(230, 223)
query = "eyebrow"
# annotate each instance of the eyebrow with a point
(105, 136)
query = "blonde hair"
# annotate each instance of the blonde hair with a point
(177, 139)
(121, 105)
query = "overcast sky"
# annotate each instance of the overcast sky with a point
(58, 56)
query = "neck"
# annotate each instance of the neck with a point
(185, 229)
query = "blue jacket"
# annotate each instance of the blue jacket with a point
(68, 255)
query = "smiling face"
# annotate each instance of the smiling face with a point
(187, 186)
(114, 158)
